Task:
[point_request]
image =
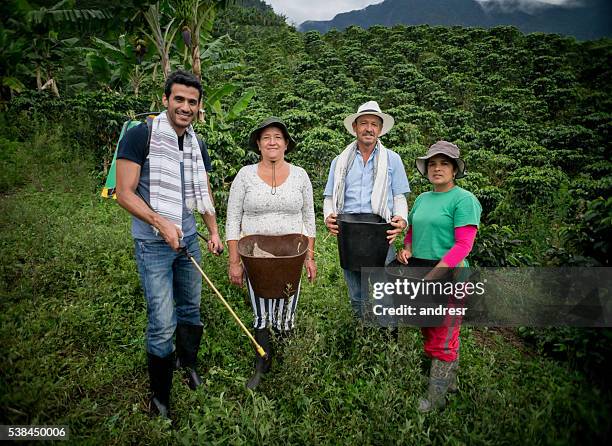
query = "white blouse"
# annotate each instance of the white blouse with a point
(252, 209)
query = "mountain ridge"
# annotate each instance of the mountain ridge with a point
(593, 20)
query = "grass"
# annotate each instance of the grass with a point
(72, 346)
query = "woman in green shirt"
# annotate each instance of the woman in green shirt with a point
(442, 227)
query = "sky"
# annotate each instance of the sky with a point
(297, 11)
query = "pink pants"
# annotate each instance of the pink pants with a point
(442, 342)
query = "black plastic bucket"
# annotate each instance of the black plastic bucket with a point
(416, 268)
(415, 271)
(362, 241)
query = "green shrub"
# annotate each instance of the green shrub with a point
(498, 246)
(588, 349)
(531, 183)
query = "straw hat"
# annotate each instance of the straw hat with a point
(369, 108)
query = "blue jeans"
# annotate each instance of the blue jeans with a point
(353, 282)
(172, 287)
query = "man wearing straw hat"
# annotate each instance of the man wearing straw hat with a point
(367, 178)
(162, 183)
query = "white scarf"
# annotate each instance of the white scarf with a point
(165, 173)
(344, 163)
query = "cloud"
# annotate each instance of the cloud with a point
(298, 11)
(528, 6)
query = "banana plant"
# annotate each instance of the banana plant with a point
(216, 53)
(118, 65)
(44, 58)
(63, 12)
(49, 56)
(218, 117)
(196, 19)
(11, 54)
(162, 39)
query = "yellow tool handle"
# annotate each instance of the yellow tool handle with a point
(258, 347)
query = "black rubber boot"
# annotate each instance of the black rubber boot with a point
(188, 339)
(262, 336)
(160, 375)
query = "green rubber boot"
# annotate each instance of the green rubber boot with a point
(452, 385)
(440, 377)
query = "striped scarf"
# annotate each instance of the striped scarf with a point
(379, 191)
(165, 173)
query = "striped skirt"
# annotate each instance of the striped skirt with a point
(278, 313)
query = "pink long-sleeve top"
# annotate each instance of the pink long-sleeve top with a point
(464, 241)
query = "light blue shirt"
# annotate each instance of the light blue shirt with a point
(360, 182)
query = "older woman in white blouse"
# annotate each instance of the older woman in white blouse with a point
(272, 197)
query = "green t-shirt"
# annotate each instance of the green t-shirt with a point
(434, 217)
